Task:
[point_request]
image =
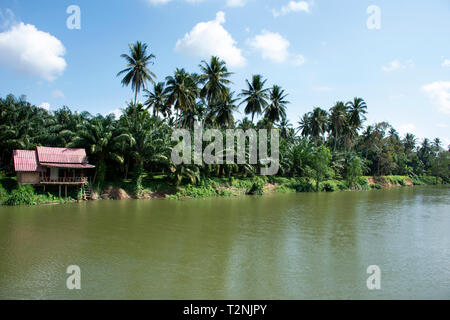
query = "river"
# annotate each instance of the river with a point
(278, 246)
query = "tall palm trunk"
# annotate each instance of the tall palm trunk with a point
(335, 141)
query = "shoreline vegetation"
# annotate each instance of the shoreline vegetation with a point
(328, 149)
(159, 188)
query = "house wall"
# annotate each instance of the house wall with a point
(54, 173)
(28, 177)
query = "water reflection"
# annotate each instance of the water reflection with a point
(291, 246)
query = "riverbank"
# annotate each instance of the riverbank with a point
(12, 194)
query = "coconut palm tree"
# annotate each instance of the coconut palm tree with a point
(437, 143)
(245, 124)
(276, 110)
(304, 125)
(101, 140)
(285, 127)
(338, 121)
(255, 97)
(157, 99)
(182, 91)
(223, 110)
(409, 142)
(137, 72)
(357, 110)
(148, 138)
(215, 78)
(318, 124)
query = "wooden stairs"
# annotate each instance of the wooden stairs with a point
(86, 192)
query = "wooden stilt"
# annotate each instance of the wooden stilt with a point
(60, 191)
(66, 191)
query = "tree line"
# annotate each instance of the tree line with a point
(332, 143)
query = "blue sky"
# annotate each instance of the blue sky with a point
(320, 51)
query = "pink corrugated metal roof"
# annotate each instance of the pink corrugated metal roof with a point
(61, 155)
(26, 161)
(67, 165)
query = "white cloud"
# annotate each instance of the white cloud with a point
(442, 125)
(211, 38)
(446, 63)
(28, 50)
(439, 94)
(396, 65)
(6, 18)
(45, 105)
(292, 6)
(299, 60)
(236, 3)
(58, 94)
(158, 2)
(274, 47)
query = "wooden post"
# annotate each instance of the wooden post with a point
(60, 191)
(66, 190)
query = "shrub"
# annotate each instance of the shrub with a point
(417, 182)
(289, 186)
(9, 184)
(3, 193)
(225, 193)
(397, 180)
(257, 187)
(193, 191)
(328, 186)
(305, 185)
(361, 183)
(426, 180)
(21, 195)
(342, 185)
(376, 186)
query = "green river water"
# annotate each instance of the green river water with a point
(280, 246)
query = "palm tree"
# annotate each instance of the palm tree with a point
(148, 138)
(357, 110)
(182, 91)
(223, 110)
(101, 140)
(318, 123)
(338, 120)
(255, 96)
(276, 110)
(437, 143)
(157, 99)
(137, 72)
(304, 125)
(245, 124)
(285, 127)
(409, 142)
(215, 80)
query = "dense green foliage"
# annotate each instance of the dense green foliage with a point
(27, 195)
(329, 151)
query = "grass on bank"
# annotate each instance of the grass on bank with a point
(12, 194)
